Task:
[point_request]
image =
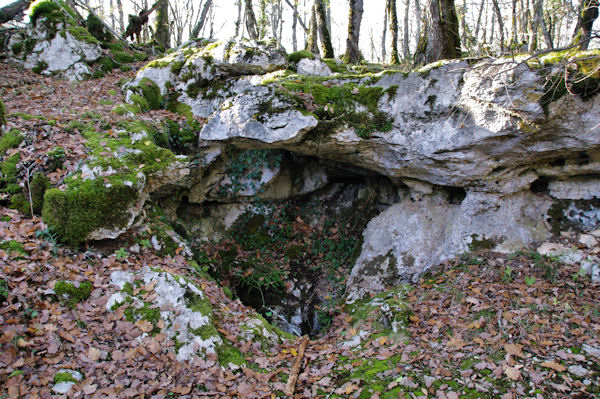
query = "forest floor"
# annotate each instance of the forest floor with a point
(483, 325)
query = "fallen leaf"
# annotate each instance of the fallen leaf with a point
(554, 366)
(512, 373)
(514, 349)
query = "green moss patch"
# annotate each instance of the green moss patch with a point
(92, 202)
(298, 55)
(2, 119)
(10, 139)
(71, 294)
(147, 95)
(341, 103)
(47, 8)
(13, 247)
(64, 377)
(569, 72)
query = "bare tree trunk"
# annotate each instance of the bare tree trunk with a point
(251, 25)
(547, 36)
(202, 20)
(441, 39)
(587, 16)
(406, 41)
(162, 31)
(384, 34)
(238, 21)
(121, 20)
(535, 25)
(393, 16)
(324, 35)
(493, 30)
(514, 28)
(352, 42)
(478, 25)
(262, 19)
(419, 15)
(312, 42)
(112, 14)
(500, 24)
(294, 26)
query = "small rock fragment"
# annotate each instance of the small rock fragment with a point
(588, 240)
(578, 370)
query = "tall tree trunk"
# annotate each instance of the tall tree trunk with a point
(354, 20)
(545, 31)
(588, 14)
(478, 24)
(513, 23)
(394, 57)
(112, 14)
(419, 17)
(262, 20)
(121, 19)
(202, 20)
(384, 34)
(295, 26)
(251, 25)
(441, 39)
(324, 35)
(312, 42)
(238, 21)
(500, 24)
(406, 39)
(535, 26)
(161, 30)
(14, 10)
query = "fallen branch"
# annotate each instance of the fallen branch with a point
(291, 384)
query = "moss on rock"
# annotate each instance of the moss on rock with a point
(103, 196)
(71, 294)
(2, 117)
(298, 55)
(149, 92)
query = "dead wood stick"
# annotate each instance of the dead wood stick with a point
(291, 384)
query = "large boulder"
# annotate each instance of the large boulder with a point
(483, 154)
(58, 49)
(104, 196)
(409, 237)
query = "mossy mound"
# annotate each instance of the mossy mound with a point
(46, 8)
(146, 95)
(298, 55)
(106, 193)
(10, 139)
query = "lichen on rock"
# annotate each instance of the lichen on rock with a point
(178, 303)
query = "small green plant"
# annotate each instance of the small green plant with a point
(146, 243)
(30, 313)
(51, 237)
(4, 290)
(121, 253)
(507, 275)
(529, 280)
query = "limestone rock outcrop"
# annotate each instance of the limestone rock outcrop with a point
(479, 156)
